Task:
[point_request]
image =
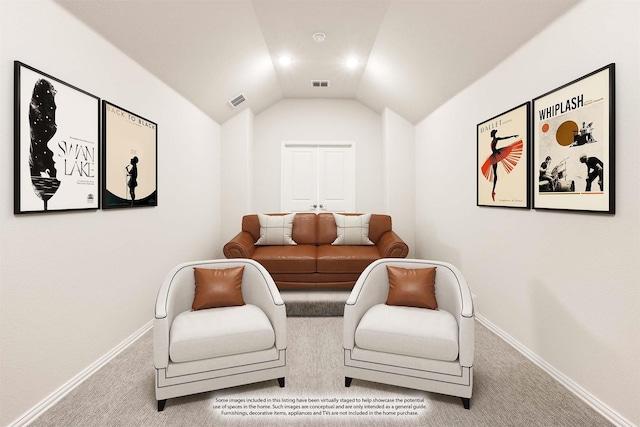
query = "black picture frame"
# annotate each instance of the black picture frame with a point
(574, 145)
(503, 168)
(56, 144)
(130, 159)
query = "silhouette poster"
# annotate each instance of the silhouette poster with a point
(503, 159)
(56, 144)
(130, 159)
(573, 148)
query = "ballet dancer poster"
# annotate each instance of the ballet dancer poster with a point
(56, 144)
(573, 145)
(503, 159)
(130, 144)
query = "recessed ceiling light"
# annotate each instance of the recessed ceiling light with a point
(352, 62)
(319, 37)
(285, 61)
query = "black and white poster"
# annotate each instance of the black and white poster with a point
(56, 143)
(130, 159)
(574, 145)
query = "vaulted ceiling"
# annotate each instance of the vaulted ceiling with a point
(413, 55)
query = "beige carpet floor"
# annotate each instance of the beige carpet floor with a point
(509, 390)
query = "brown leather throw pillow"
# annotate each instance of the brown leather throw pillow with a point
(217, 287)
(412, 287)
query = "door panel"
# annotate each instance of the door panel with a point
(335, 179)
(300, 165)
(318, 177)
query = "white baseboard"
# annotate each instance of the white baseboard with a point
(54, 397)
(583, 394)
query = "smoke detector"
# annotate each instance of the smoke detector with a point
(319, 37)
(237, 100)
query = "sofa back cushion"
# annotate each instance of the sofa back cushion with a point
(251, 224)
(304, 227)
(327, 231)
(311, 229)
(378, 225)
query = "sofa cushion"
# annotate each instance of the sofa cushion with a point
(327, 231)
(217, 332)
(412, 287)
(304, 228)
(378, 225)
(352, 229)
(287, 259)
(276, 229)
(409, 331)
(251, 224)
(217, 287)
(345, 259)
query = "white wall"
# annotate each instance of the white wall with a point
(318, 120)
(564, 285)
(399, 175)
(72, 286)
(236, 172)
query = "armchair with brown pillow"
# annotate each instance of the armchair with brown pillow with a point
(410, 323)
(218, 324)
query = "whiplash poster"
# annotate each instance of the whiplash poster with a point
(574, 145)
(130, 159)
(56, 144)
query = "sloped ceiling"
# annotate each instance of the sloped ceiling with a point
(413, 55)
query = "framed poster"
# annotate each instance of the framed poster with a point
(574, 145)
(56, 144)
(503, 159)
(130, 147)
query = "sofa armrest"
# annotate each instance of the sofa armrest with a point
(390, 245)
(241, 246)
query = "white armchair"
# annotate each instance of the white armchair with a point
(411, 347)
(201, 351)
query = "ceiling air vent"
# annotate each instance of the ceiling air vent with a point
(320, 83)
(237, 100)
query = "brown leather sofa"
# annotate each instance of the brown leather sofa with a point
(314, 262)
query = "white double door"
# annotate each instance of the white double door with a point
(318, 177)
